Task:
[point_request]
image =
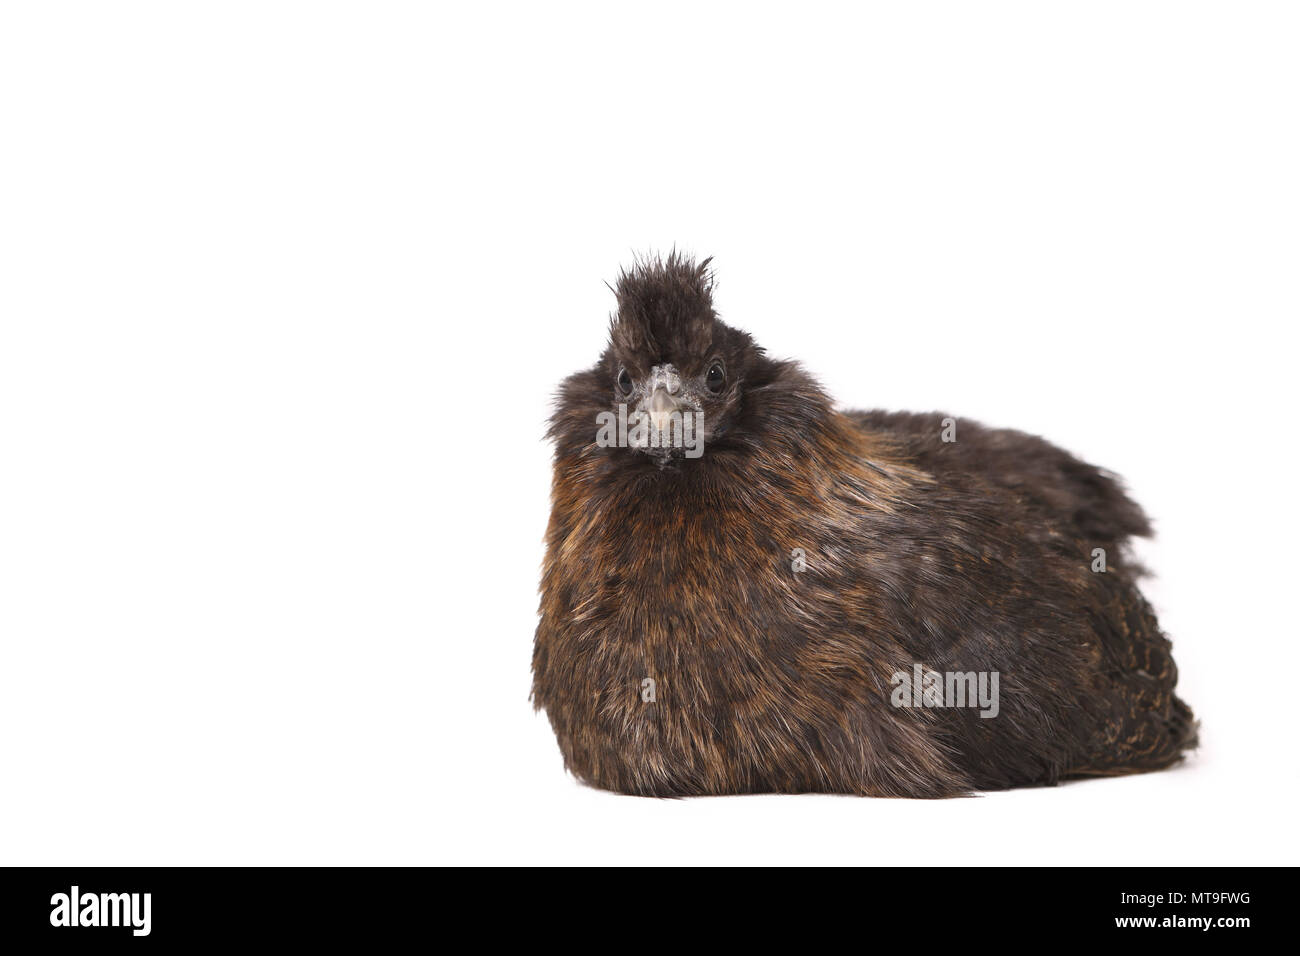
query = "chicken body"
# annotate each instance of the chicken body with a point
(738, 623)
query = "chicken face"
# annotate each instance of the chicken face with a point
(668, 409)
(677, 387)
(673, 370)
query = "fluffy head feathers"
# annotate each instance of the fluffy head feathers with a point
(665, 310)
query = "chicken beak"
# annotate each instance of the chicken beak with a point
(661, 407)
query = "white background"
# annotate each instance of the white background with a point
(286, 288)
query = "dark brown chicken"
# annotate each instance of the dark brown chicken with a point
(740, 607)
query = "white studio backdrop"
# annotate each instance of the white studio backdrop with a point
(285, 289)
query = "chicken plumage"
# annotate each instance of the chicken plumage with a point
(741, 620)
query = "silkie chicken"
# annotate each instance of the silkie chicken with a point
(749, 618)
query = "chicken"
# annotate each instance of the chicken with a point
(746, 590)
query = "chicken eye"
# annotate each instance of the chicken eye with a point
(624, 382)
(716, 378)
